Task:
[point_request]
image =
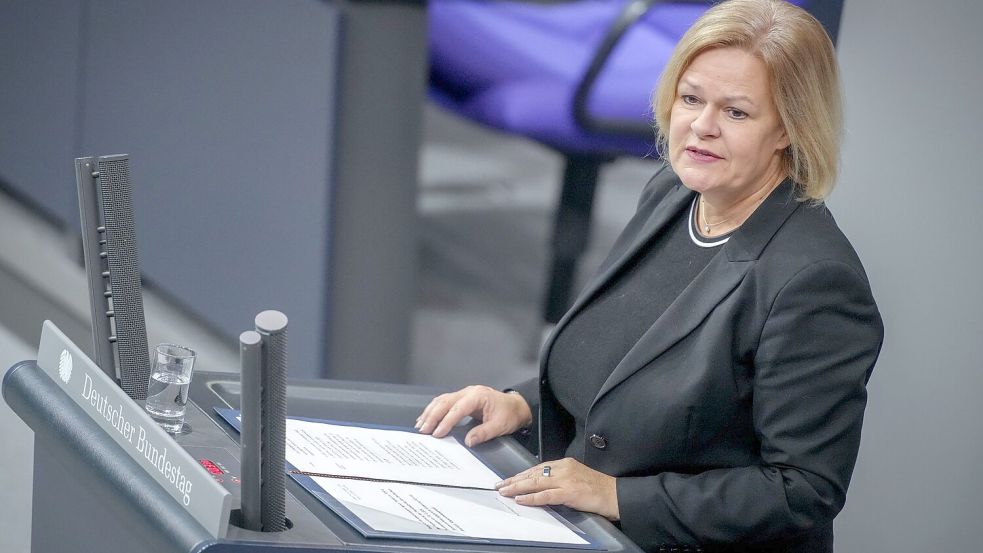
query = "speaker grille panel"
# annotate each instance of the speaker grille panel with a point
(124, 276)
(273, 491)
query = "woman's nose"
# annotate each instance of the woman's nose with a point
(705, 124)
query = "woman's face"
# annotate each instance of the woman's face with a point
(725, 134)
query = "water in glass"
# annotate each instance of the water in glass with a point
(167, 397)
(170, 381)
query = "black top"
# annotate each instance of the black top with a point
(589, 347)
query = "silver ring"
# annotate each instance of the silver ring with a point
(546, 471)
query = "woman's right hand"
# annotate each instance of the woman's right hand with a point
(500, 413)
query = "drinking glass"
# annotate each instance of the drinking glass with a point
(170, 380)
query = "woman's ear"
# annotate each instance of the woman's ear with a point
(783, 141)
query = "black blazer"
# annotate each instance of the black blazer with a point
(734, 422)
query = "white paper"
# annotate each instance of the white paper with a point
(385, 454)
(407, 508)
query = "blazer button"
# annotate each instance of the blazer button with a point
(598, 441)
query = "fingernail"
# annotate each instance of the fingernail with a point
(499, 484)
(417, 424)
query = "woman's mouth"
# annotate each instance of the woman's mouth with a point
(699, 154)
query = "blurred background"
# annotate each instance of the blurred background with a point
(296, 156)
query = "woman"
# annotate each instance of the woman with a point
(707, 388)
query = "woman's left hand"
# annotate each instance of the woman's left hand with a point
(569, 483)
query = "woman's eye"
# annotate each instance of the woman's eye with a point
(689, 99)
(737, 114)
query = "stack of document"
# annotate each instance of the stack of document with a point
(390, 482)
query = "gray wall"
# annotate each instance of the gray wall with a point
(911, 200)
(255, 130)
(227, 109)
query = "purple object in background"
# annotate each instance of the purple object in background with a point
(515, 66)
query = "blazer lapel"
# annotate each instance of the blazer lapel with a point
(695, 302)
(724, 272)
(660, 216)
(675, 201)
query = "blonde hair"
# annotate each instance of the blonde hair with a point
(804, 80)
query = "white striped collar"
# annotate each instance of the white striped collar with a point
(695, 236)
